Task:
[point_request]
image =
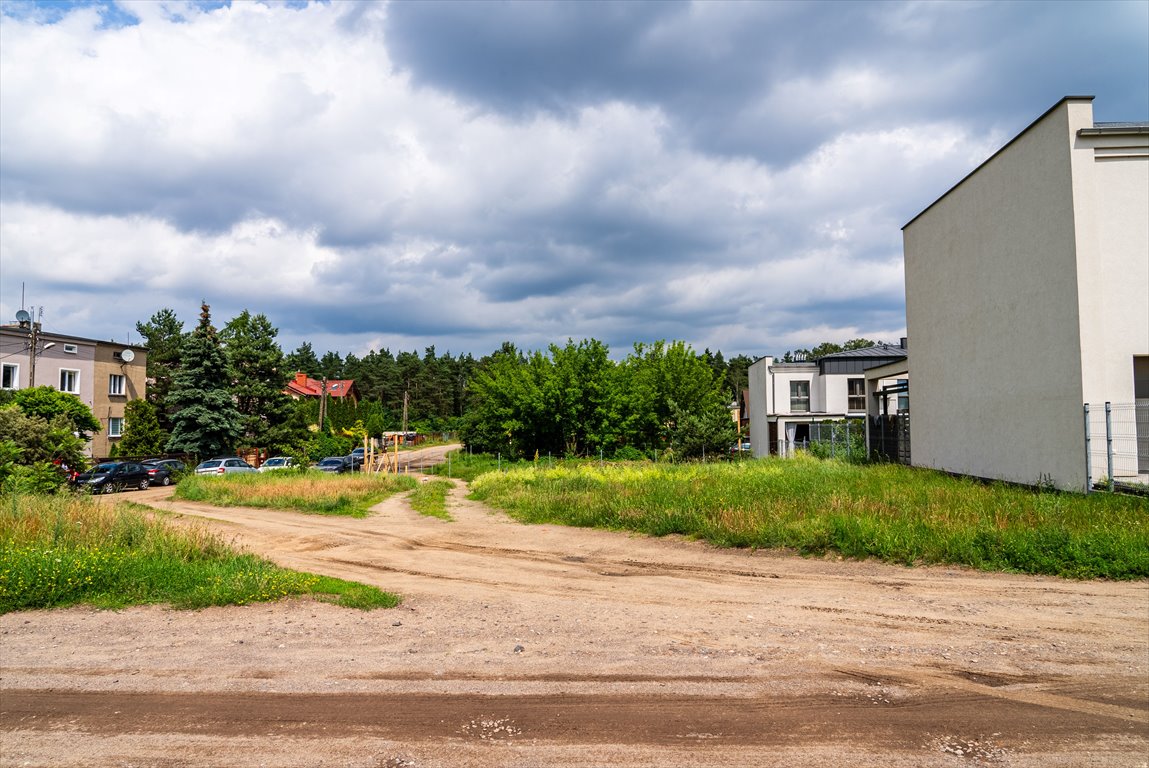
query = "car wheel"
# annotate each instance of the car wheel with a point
(144, 484)
(108, 488)
(166, 481)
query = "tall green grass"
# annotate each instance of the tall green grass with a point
(430, 499)
(889, 512)
(314, 493)
(62, 550)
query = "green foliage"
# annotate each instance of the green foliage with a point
(32, 441)
(303, 360)
(63, 550)
(323, 445)
(142, 433)
(313, 492)
(575, 401)
(841, 439)
(164, 336)
(258, 378)
(708, 432)
(47, 403)
(887, 511)
(205, 421)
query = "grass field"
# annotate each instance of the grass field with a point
(314, 493)
(430, 499)
(889, 512)
(62, 550)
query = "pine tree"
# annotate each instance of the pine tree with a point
(142, 433)
(303, 360)
(205, 421)
(258, 377)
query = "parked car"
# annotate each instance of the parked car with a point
(336, 464)
(277, 462)
(158, 474)
(174, 465)
(112, 476)
(356, 458)
(228, 465)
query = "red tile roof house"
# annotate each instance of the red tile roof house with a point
(305, 386)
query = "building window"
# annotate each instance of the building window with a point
(11, 376)
(69, 381)
(856, 394)
(903, 397)
(799, 396)
(72, 349)
(115, 426)
(115, 384)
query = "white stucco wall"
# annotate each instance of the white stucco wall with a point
(1026, 295)
(758, 376)
(991, 306)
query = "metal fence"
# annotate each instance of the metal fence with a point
(1116, 444)
(890, 438)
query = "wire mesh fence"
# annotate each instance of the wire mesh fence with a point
(1116, 444)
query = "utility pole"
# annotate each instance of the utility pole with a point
(323, 405)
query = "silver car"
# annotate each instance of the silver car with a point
(226, 466)
(277, 462)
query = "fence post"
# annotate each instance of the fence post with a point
(1088, 454)
(848, 456)
(832, 431)
(1109, 442)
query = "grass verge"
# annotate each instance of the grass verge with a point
(430, 499)
(314, 493)
(63, 550)
(890, 512)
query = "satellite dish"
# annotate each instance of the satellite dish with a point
(23, 316)
(127, 355)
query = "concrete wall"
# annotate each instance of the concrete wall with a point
(1026, 294)
(761, 405)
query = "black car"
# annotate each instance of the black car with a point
(336, 464)
(160, 471)
(112, 476)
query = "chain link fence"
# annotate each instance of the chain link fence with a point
(1117, 445)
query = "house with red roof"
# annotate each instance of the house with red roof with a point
(305, 386)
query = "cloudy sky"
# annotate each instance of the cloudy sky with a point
(374, 175)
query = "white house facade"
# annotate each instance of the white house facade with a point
(788, 399)
(1027, 296)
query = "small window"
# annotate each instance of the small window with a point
(115, 426)
(799, 396)
(71, 349)
(115, 384)
(11, 376)
(856, 391)
(903, 397)
(69, 381)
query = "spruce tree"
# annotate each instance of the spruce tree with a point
(205, 421)
(258, 378)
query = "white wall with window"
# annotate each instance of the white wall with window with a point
(69, 380)
(11, 376)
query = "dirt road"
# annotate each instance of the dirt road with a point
(541, 646)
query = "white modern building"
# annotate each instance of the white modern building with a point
(1027, 297)
(788, 400)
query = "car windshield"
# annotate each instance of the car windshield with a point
(103, 469)
(208, 464)
(327, 462)
(274, 462)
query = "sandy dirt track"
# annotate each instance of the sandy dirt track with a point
(541, 645)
